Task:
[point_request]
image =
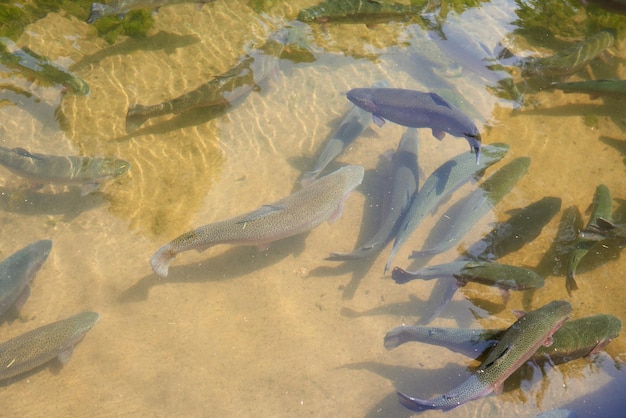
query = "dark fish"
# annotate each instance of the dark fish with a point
(358, 11)
(443, 181)
(351, 127)
(417, 109)
(480, 202)
(399, 194)
(86, 172)
(594, 88)
(516, 346)
(576, 338)
(224, 91)
(554, 260)
(121, 7)
(294, 214)
(568, 60)
(602, 208)
(616, 6)
(523, 226)
(18, 270)
(36, 347)
(604, 229)
(41, 68)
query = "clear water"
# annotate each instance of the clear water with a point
(281, 332)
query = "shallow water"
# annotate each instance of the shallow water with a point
(281, 332)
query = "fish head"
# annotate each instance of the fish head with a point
(362, 97)
(475, 143)
(119, 167)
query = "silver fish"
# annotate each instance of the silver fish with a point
(18, 270)
(36, 347)
(403, 185)
(294, 214)
(121, 7)
(86, 172)
(443, 181)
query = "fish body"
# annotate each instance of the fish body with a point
(18, 270)
(604, 229)
(576, 338)
(523, 226)
(602, 208)
(36, 347)
(403, 186)
(86, 172)
(358, 11)
(33, 65)
(516, 346)
(299, 212)
(503, 276)
(417, 109)
(616, 6)
(443, 181)
(482, 200)
(568, 60)
(224, 91)
(121, 7)
(594, 88)
(355, 121)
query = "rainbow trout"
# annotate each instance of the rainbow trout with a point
(36, 347)
(35, 66)
(292, 215)
(602, 208)
(467, 212)
(568, 60)
(594, 88)
(224, 91)
(443, 181)
(121, 7)
(86, 172)
(417, 109)
(358, 11)
(576, 338)
(604, 229)
(18, 270)
(516, 346)
(403, 185)
(351, 127)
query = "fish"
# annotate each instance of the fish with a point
(398, 196)
(224, 91)
(516, 346)
(18, 270)
(471, 209)
(39, 346)
(577, 338)
(594, 88)
(121, 7)
(33, 65)
(522, 227)
(443, 181)
(353, 124)
(604, 229)
(504, 276)
(292, 215)
(358, 11)
(602, 208)
(86, 172)
(417, 109)
(568, 60)
(615, 6)
(554, 260)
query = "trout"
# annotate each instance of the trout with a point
(292, 215)
(443, 181)
(224, 91)
(594, 88)
(398, 196)
(417, 109)
(604, 229)
(121, 7)
(18, 270)
(358, 11)
(516, 346)
(36, 347)
(86, 172)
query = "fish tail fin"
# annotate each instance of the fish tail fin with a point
(161, 260)
(136, 116)
(98, 10)
(401, 276)
(413, 404)
(395, 337)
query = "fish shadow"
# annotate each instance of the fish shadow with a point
(225, 266)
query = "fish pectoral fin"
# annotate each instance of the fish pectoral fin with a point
(88, 188)
(497, 389)
(261, 212)
(439, 134)
(21, 299)
(378, 120)
(65, 356)
(505, 295)
(548, 341)
(440, 101)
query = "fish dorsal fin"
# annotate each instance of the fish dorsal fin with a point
(500, 355)
(261, 212)
(439, 100)
(378, 120)
(604, 223)
(518, 313)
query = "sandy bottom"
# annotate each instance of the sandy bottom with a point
(239, 331)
